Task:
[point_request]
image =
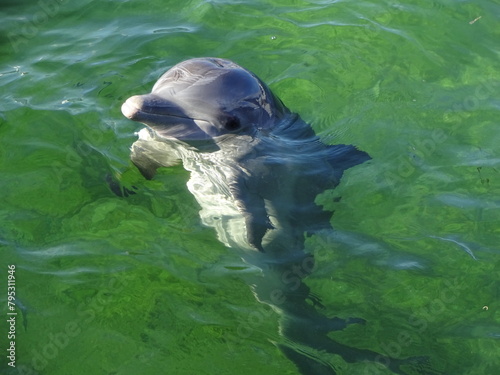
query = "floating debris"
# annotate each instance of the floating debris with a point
(474, 20)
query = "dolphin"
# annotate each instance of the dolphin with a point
(255, 170)
(250, 158)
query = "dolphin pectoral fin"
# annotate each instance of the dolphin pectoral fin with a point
(256, 230)
(149, 153)
(144, 163)
(253, 209)
(146, 166)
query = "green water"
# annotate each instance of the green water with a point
(136, 285)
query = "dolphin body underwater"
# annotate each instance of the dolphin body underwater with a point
(255, 169)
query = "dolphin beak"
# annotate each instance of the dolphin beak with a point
(165, 117)
(146, 107)
(132, 107)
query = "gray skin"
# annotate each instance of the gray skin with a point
(256, 169)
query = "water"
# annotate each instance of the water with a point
(109, 285)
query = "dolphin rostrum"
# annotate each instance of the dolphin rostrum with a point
(256, 169)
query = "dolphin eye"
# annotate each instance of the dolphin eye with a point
(232, 123)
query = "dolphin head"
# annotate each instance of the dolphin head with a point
(206, 98)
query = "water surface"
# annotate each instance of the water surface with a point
(112, 285)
